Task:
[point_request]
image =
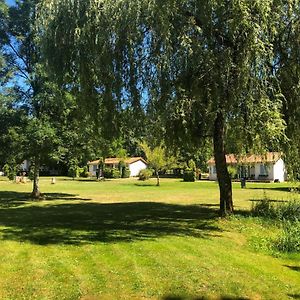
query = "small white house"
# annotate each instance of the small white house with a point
(135, 165)
(267, 167)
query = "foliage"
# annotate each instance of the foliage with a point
(158, 158)
(189, 175)
(73, 169)
(202, 70)
(287, 215)
(281, 212)
(84, 172)
(125, 172)
(10, 170)
(192, 165)
(232, 172)
(289, 240)
(111, 173)
(145, 174)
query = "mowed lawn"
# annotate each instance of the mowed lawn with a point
(125, 239)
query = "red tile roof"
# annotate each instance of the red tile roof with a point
(115, 161)
(249, 159)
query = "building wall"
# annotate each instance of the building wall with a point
(279, 172)
(136, 167)
(212, 172)
(275, 171)
(25, 165)
(92, 169)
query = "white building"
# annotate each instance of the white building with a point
(25, 165)
(267, 167)
(135, 165)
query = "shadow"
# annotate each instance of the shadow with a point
(15, 199)
(80, 223)
(275, 188)
(61, 196)
(142, 184)
(295, 296)
(205, 298)
(294, 268)
(269, 200)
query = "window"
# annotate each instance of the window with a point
(94, 168)
(213, 170)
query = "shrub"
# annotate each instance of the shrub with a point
(189, 175)
(111, 173)
(10, 171)
(287, 216)
(145, 174)
(289, 241)
(73, 171)
(83, 172)
(115, 173)
(280, 211)
(107, 173)
(125, 172)
(263, 208)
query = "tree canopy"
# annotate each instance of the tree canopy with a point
(188, 73)
(207, 68)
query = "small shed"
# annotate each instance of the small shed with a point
(135, 164)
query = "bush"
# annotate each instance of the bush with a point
(111, 173)
(289, 241)
(280, 211)
(73, 171)
(84, 172)
(287, 216)
(115, 173)
(10, 171)
(263, 208)
(189, 175)
(125, 172)
(145, 174)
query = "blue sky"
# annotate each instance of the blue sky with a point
(10, 2)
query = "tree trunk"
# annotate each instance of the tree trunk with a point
(36, 194)
(224, 180)
(157, 178)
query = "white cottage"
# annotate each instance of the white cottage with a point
(267, 167)
(135, 165)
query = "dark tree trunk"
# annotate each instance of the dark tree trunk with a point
(157, 178)
(224, 180)
(36, 193)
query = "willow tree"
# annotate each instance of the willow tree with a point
(203, 65)
(287, 68)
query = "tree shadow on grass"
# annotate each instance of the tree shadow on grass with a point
(275, 188)
(14, 199)
(81, 223)
(295, 296)
(294, 268)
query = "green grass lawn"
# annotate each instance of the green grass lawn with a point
(125, 239)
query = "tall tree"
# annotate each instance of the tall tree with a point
(203, 66)
(43, 105)
(287, 70)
